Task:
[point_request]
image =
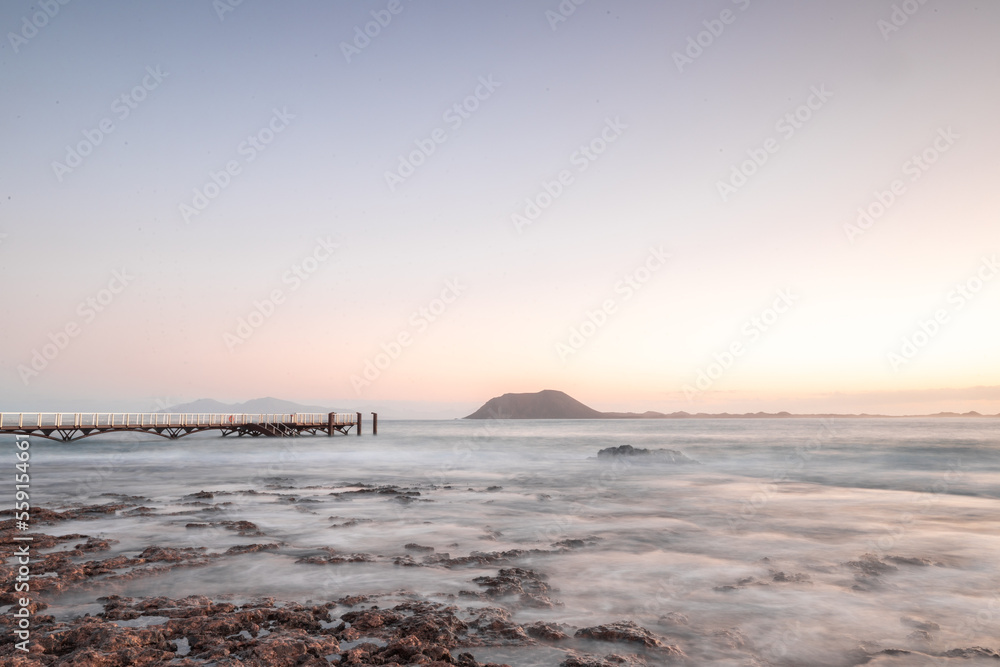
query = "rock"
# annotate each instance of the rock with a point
(63, 569)
(94, 544)
(245, 528)
(529, 587)
(927, 626)
(901, 560)
(162, 554)
(371, 620)
(660, 455)
(481, 558)
(871, 565)
(631, 633)
(781, 577)
(352, 600)
(294, 648)
(734, 639)
(495, 627)
(200, 631)
(547, 631)
(973, 652)
(432, 623)
(578, 659)
(576, 543)
(674, 618)
(333, 559)
(41, 515)
(251, 548)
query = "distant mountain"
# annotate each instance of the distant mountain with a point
(255, 406)
(551, 404)
(548, 404)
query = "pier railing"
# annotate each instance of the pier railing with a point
(152, 419)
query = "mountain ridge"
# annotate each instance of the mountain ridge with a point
(266, 405)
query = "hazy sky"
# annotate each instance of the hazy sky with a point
(648, 205)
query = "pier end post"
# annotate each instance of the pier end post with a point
(359, 423)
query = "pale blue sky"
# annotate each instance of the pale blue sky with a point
(656, 185)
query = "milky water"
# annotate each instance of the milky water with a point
(742, 558)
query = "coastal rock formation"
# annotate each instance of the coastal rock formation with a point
(528, 588)
(630, 633)
(665, 455)
(577, 659)
(196, 631)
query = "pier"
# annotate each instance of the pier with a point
(66, 427)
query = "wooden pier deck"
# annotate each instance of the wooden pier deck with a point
(66, 427)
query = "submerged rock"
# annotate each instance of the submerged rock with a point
(577, 659)
(630, 633)
(197, 630)
(574, 543)
(528, 586)
(548, 631)
(251, 548)
(664, 455)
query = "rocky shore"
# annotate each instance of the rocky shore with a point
(489, 610)
(401, 628)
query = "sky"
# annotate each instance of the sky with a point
(735, 205)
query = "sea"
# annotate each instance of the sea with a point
(779, 542)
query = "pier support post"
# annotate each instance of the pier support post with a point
(329, 424)
(374, 423)
(359, 423)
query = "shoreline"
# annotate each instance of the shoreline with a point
(359, 628)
